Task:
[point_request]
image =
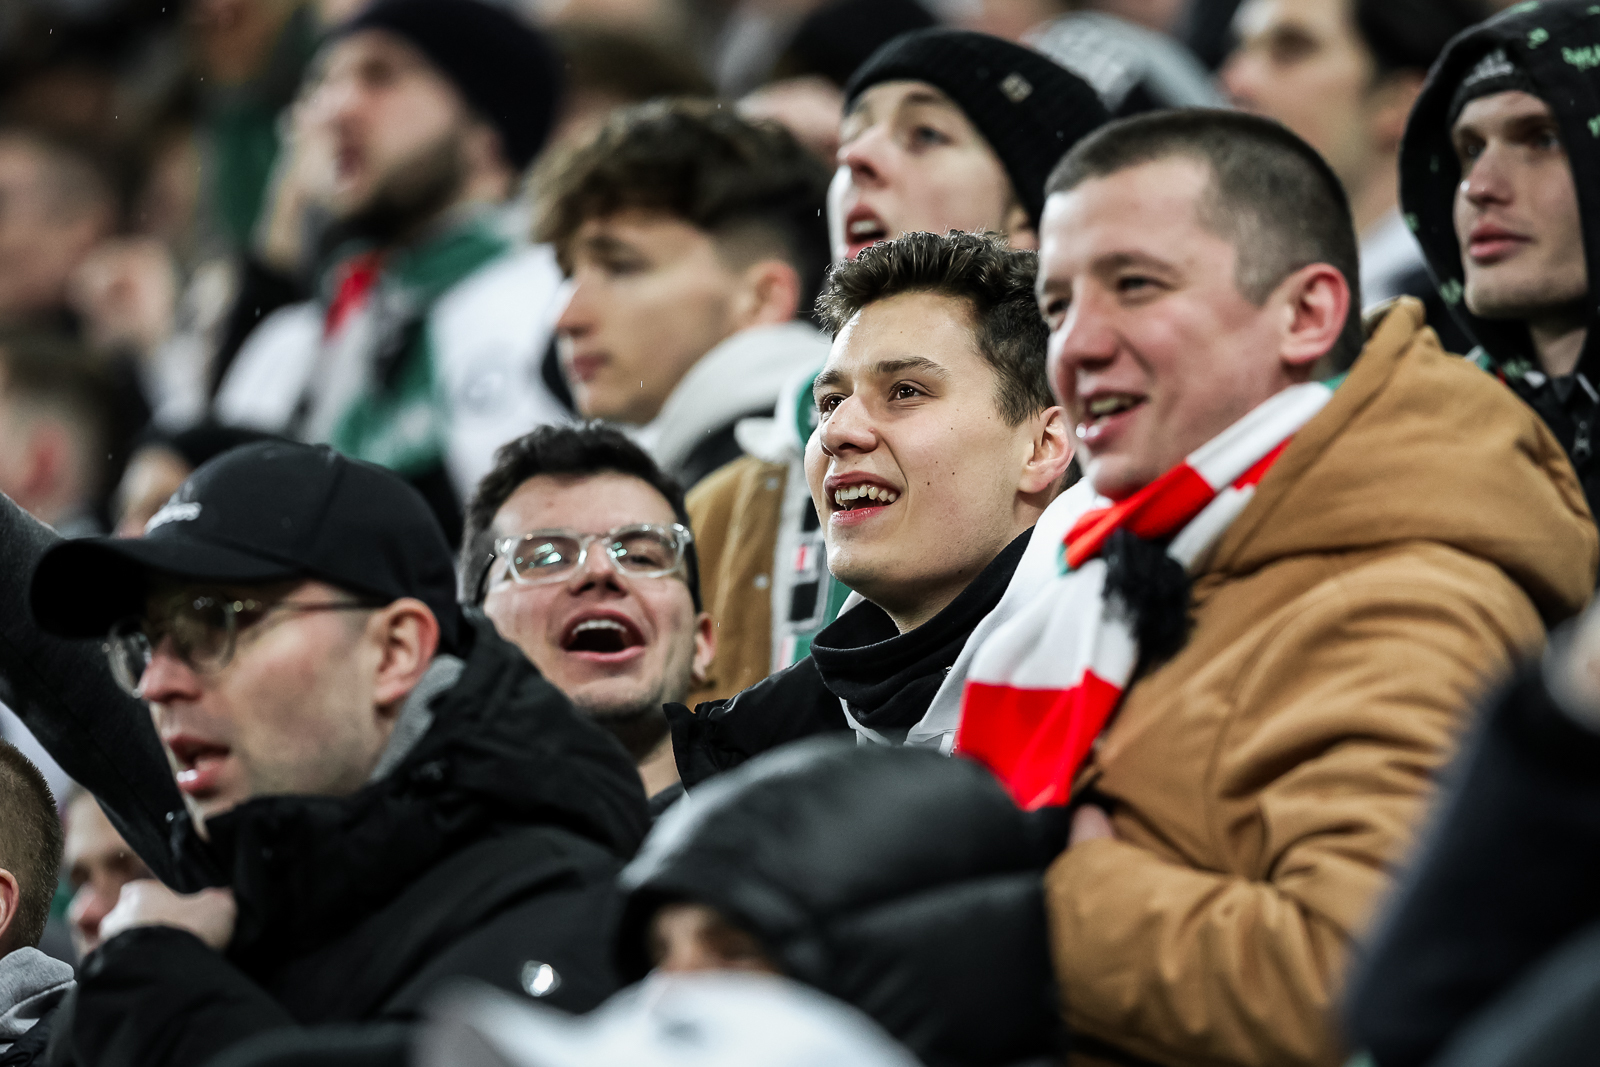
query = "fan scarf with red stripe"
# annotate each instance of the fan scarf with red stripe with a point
(1043, 686)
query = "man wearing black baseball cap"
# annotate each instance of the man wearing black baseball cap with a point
(393, 795)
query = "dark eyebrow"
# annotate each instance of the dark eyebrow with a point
(884, 368)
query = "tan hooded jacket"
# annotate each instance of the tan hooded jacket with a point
(1413, 540)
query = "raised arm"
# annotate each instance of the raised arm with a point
(63, 691)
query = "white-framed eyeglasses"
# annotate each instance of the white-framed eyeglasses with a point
(639, 550)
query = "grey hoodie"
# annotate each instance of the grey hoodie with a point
(31, 984)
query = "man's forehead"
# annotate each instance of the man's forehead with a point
(589, 503)
(1484, 113)
(1145, 202)
(882, 101)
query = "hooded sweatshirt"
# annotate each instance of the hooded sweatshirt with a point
(1555, 46)
(31, 986)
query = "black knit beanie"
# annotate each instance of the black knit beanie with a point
(1029, 109)
(1494, 73)
(504, 68)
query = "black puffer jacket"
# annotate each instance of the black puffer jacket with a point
(1554, 42)
(1503, 881)
(901, 881)
(492, 846)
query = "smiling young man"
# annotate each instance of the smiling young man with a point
(1259, 624)
(578, 549)
(1497, 175)
(942, 130)
(936, 451)
(691, 239)
(387, 793)
(420, 350)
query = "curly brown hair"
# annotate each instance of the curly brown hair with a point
(994, 279)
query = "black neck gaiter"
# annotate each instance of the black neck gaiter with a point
(888, 678)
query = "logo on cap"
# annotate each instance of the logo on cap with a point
(173, 512)
(1016, 87)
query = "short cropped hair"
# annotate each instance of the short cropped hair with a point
(749, 185)
(1271, 196)
(996, 282)
(30, 845)
(566, 451)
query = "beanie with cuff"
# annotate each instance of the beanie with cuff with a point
(505, 69)
(1029, 109)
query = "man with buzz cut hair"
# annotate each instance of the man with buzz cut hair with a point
(357, 791)
(578, 549)
(936, 451)
(1498, 178)
(32, 984)
(691, 238)
(1241, 647)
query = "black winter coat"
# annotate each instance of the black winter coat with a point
(490, 851)
(1506, 877)
(901, 881)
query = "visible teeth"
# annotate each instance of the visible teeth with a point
(843, 497)
(599, 624)
(1105, 405)
(862, 227)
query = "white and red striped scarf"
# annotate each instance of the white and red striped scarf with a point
(1043, 686)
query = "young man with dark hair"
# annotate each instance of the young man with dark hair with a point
(692, 239)
(31, 983)
(942, 130)
(286, 700)
(1344, 74)
(578, 549)
(421, 349)
(1498, 177)
(1255, 633)
(937, 449)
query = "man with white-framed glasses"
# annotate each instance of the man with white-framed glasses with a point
(392, 796)
(578, 548)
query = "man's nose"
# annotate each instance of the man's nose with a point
(848, 428)
(866, 155)
(577, 314)
(1485, 180)
(90, 904)
(1240, 78)
(598, 569)
(168, 677)
(1085, 340)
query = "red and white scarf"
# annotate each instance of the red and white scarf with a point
(1043, 686)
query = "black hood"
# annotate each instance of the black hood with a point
(901, 881)
(1556, 44)
(506, 749)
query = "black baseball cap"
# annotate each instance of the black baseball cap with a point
(262, 512)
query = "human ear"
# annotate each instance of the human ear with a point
(1019, 229)
(408, 636)
(705, 647)
(10, 895)
(769, 294)
(1315, 301)
(1049, 452)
